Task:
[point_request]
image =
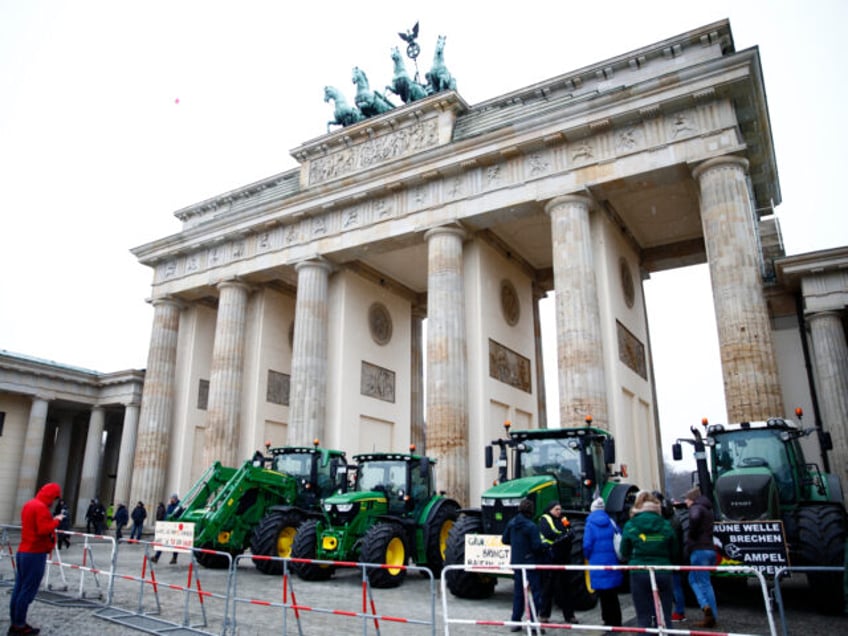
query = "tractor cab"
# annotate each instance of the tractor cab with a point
(406, 481)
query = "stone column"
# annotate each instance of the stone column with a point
(751, 382)
(830, 353)
(308, 401)
(31, 458)
(62, 451)
(416, 364)
(541, 396)
(580, 352)
(129, 434)
(89, 483)
(223, 419)
(157, 406)
(447, 361)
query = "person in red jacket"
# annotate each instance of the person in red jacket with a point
(38, 536)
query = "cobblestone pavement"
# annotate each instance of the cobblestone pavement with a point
(167, 607)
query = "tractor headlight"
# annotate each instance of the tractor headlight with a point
(328, 507)
(488, 501)
(512, 502)
(344, 507)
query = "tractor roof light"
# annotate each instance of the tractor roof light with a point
(507, 424)
(799, 412)
(412, 448)
(705, 422)
(588, 420)
(316, 442)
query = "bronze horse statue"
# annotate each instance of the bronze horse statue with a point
(369, 102)
(438, 77)
(402, 85)
(345, 115)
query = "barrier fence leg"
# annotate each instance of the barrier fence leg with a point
(658, 608)
(366, 588)
(56, 558)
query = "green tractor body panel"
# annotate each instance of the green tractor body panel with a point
(394, 501)
(757, 471)
(567, 465)
(226, 504)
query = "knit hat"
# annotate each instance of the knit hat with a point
(598, 504)
(692, 494)
(175, 496)
(551, 506)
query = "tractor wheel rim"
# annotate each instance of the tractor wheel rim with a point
(284, 541)
(395, 555)
(443, 537)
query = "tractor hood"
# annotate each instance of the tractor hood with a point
(518, 488)
(355, 497)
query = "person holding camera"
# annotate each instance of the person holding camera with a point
(38, 536)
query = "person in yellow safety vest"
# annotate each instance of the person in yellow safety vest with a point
(557, 536)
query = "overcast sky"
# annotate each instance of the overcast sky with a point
(113, 115)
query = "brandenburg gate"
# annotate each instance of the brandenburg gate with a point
(294, 308)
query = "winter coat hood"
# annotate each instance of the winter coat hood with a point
(49, 493)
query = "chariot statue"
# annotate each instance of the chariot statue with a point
(402, 85)
(344, 114)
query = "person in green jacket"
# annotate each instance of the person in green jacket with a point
(649, 539)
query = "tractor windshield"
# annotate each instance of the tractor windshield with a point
(755, 449)
(387, 476)
(294, 464)
(558, 457)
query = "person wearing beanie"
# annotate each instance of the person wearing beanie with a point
(649, 539)
(38, 536)
(599, 549)
(699, 547)
(522, 535)
(557, 537)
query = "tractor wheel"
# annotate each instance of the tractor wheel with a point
(384, 543)
(821, 539)
(213, 561)
(577, 581)
(437, 531)
(463, 583)
(304, 546)
(273, 537)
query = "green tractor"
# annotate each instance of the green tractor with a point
(569, 465)
(756, 471)
(392, 515)
(261, 504)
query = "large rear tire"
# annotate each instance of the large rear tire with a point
(273, 537)
(438, 528)
(821, 537)
(577, 581)
(305, 547)
(385, 543)
(463, 583)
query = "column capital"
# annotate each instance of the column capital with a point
(318, 263)
(717, 162)
(446, 229)
(167, 300)
(565, 199)
(235, 282)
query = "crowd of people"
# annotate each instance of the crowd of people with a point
(652, 536)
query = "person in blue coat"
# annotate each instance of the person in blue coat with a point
(599, 549)
(522, 535)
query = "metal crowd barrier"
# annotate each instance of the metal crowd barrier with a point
(193, 620)
(786, 571)
(366, 613)
(531, 625)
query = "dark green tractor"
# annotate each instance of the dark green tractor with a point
(756, 471)
(569, 465)
(392, 515)
(259, 505)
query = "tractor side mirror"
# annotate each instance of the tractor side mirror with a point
(826, 440)
(609, 450)
(677, 451)
(490, 458)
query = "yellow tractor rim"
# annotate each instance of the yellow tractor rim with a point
(443, 537)
(395, 555)
(284, 541)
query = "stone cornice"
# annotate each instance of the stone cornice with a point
(689, 113)
(791, 270)
(32, 376)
